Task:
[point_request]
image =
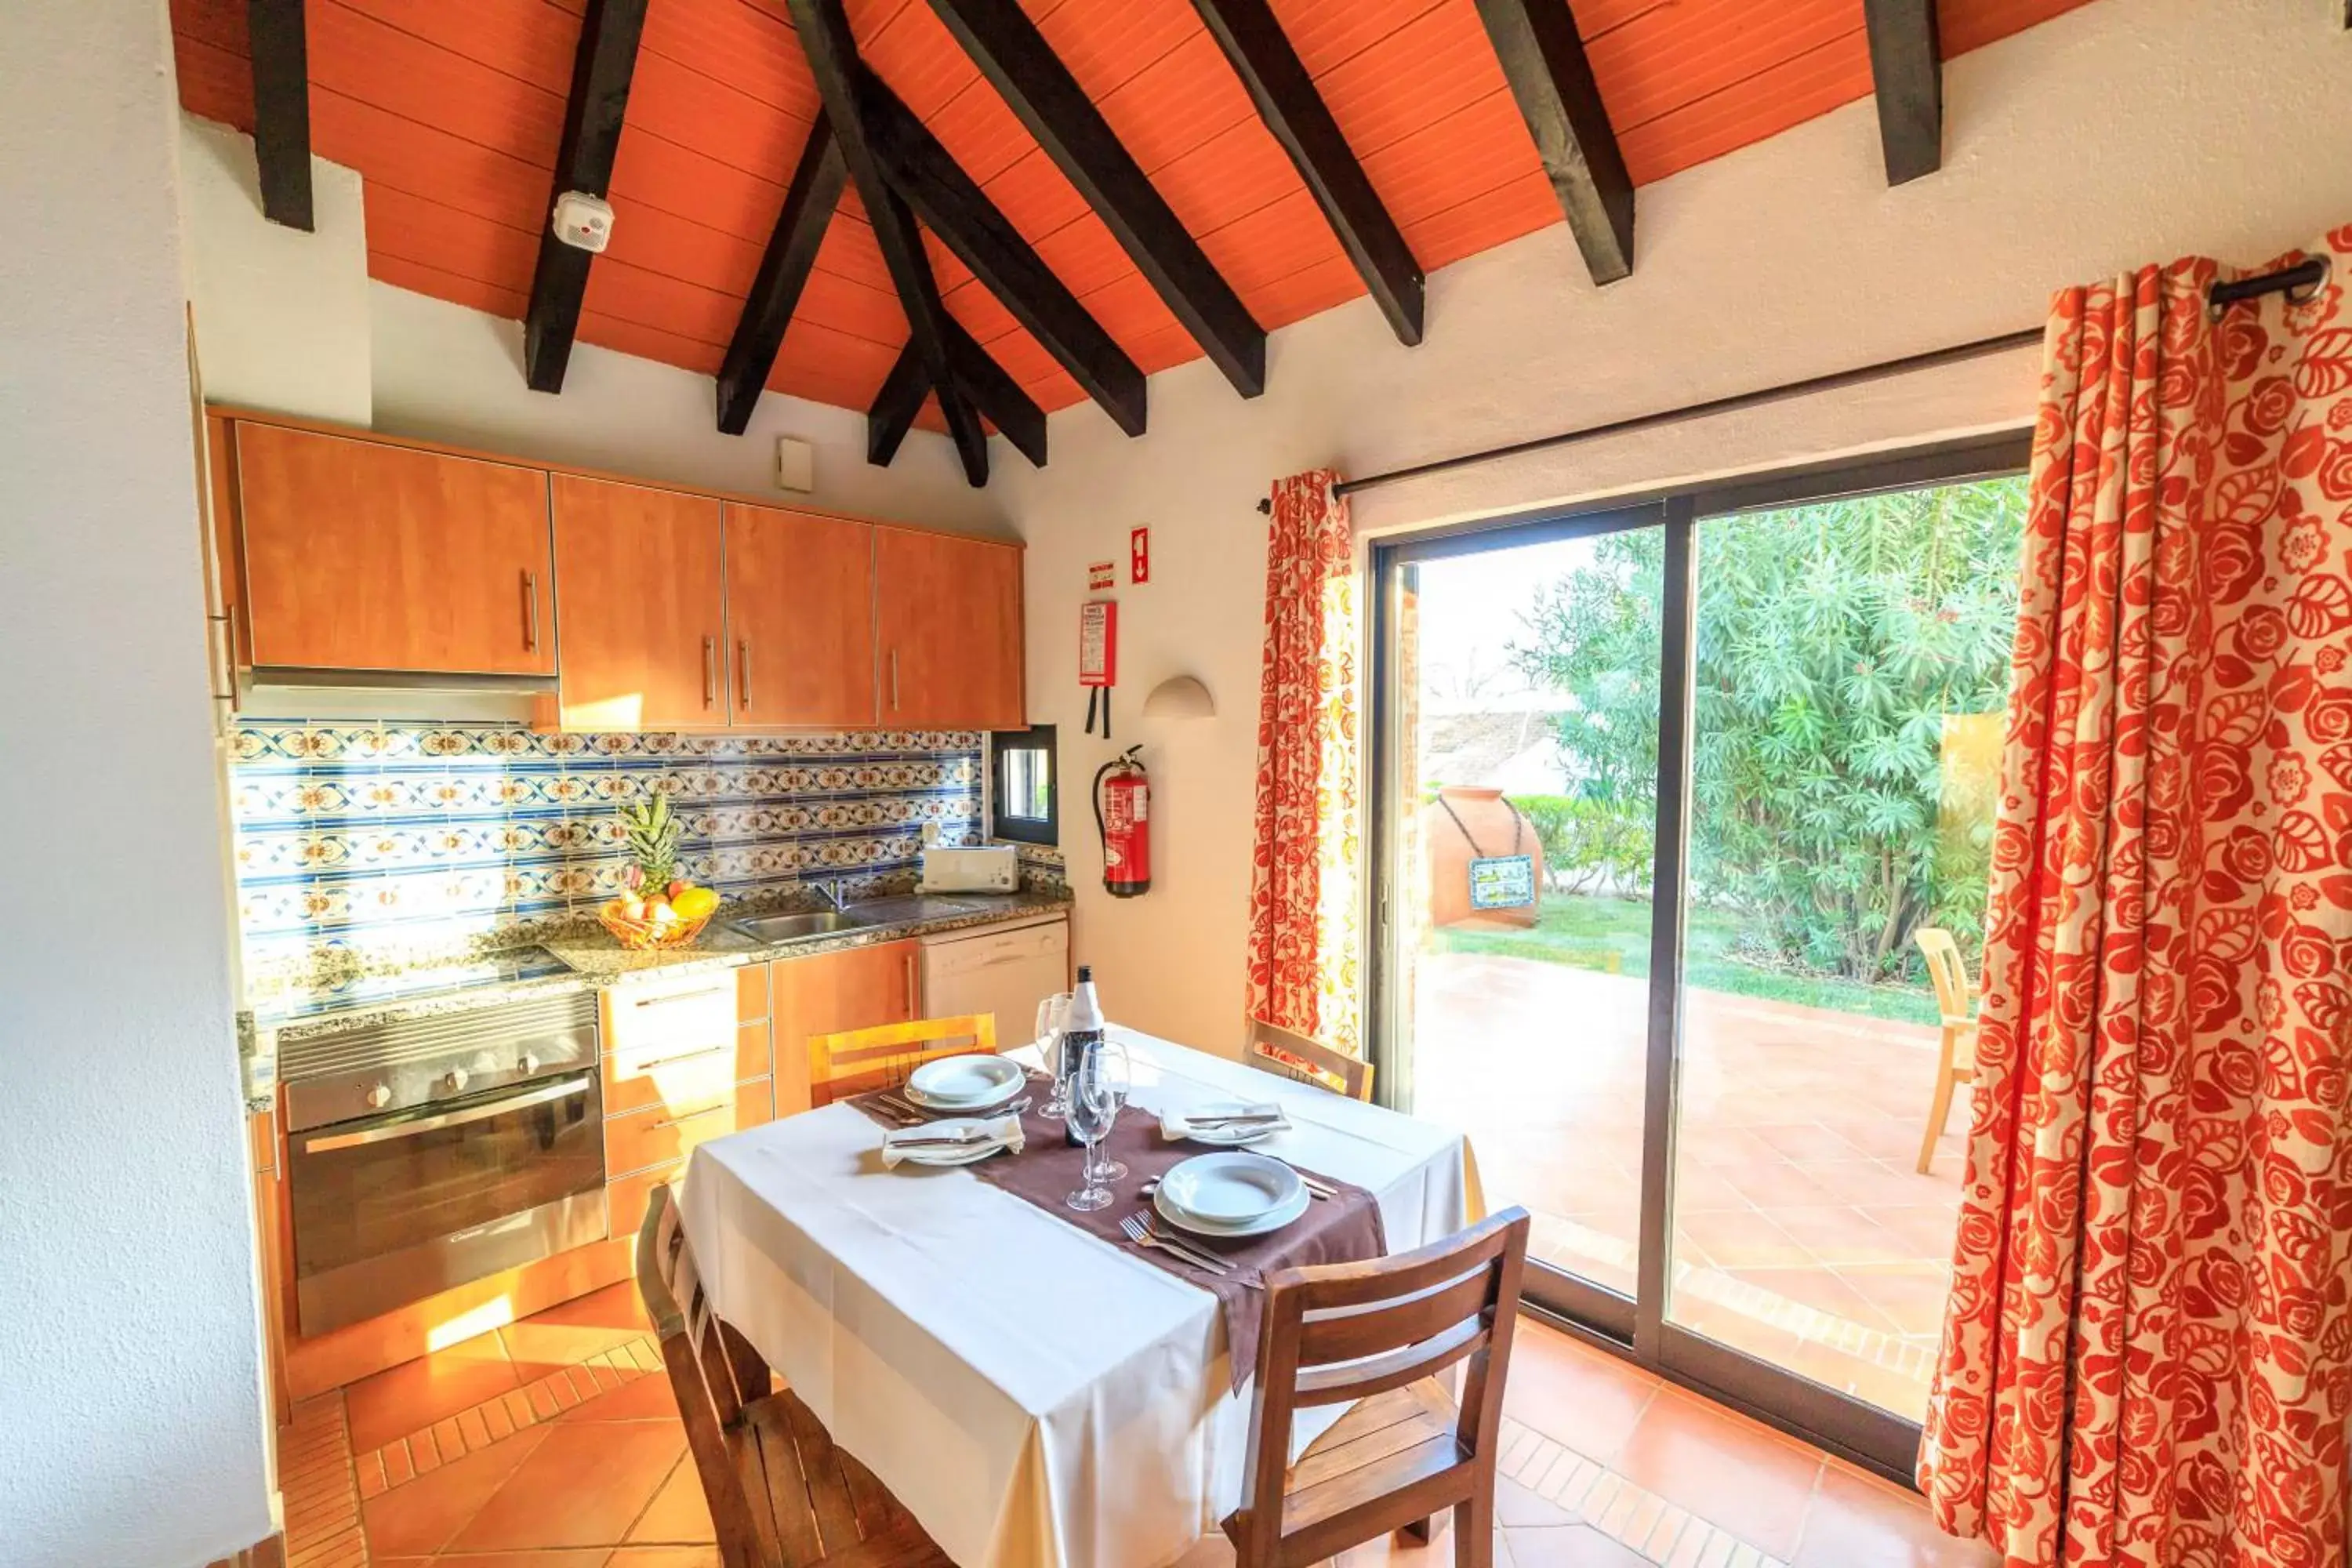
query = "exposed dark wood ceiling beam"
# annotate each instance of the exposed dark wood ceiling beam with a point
(957, 210)
(281, 109)
(1543, 59)
(1295, 111)
(1016, 59)
(832, 53)
(996, 393)
(592, 115)
(791, 250)
(1906, 69)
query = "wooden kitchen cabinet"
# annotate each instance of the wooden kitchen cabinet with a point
(856, 988)
(947, 625)
(799, 616)
(360, 555)
(644, 607)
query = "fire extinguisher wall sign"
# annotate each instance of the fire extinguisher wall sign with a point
(1123, 819)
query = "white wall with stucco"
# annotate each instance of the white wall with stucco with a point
(132, 1423)
(2123, 133)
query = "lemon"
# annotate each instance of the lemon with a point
(693, 903)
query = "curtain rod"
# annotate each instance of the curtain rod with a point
(2304, 277)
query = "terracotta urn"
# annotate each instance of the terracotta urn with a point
(1467, 823)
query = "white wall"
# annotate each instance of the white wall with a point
(130, 1409)
(281, 315)
(2123, 133)
(449, 373)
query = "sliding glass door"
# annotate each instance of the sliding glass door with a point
(1668, 796)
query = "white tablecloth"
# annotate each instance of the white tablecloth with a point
(1037, 1398)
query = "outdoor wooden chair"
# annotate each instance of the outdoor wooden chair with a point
(855, 1061)
(1380, 1333)
(781, 1494)
(1303, 1060)
(1955, 1053)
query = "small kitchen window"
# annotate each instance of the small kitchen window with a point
(1027, 793)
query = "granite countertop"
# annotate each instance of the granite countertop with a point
(592, 958)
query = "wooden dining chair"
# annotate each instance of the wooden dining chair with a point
(1955, 1053)
(781, 1494)
(1379, 1334)
(1305, 1061)
(856, 1060)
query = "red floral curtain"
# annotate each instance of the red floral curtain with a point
(1304, 938)
(2145, 1359)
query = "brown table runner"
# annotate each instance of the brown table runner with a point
(1343, 1229)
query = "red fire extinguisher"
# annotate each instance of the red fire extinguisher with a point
(1123, 818)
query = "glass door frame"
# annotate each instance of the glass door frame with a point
(1638, 1327)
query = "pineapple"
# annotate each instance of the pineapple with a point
(651, 831)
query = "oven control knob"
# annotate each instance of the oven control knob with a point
(379, 1097)
(453, 1080)
(526, 1063)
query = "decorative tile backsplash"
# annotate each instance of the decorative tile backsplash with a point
(371, 845)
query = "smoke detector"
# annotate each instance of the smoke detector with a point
(583, 221)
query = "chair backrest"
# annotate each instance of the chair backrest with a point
(1946, 971)
(715, 1372)
(1347, 1331)
(1304, 1060)
(856, 1060)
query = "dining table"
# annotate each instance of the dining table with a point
(1037, 1396)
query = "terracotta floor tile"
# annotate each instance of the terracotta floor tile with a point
(584, 1486)
(1725, 1469)
(678, 1515)
(1911, 1296)
(590, 1557)
(1569, 1546)
(1821, 1289)
(1737, 1239)
(1860, 1522)
(1584, 1398)
(665, 1557)
(416, 1393)
(649, 1398)
(1515, 1505)
(427, 1513)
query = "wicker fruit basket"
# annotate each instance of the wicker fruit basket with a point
(649, 936)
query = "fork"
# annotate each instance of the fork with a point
(1139, 1231)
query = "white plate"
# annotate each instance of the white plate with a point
(1226, 1192)
(945, 1156)
(1228, 1137)
(963, 1083)
(1275, 1221)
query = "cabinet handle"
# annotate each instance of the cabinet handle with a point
(743, 650)
(894, 681)
(234, 665)
(908, 967)
(695, 1115)
(641, 1069)
(710, 671)
(531, 612)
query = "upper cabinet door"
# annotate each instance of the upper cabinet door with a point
(643, 607)
(362, 556)
(800, 611)
(947, 616)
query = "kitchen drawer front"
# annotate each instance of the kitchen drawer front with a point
(654, 1017)
(751, 992)
(662, 1135)
(752, 1049)
(687, 1077)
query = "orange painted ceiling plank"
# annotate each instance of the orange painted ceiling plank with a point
(386, 148)
(1789, 94)
(1677, 54)
(738, 46)
(1106, 47)
(404, 75)
(920, 59)
(1520, 207)
(1229, 177)
(669, 100)
(427, 233)
(526, 39)
(1039, 201)
(811, 350)
(1309, 291)
(1413, 79)
(1328, 33)
(472, 293)
(648, 343)
(220, 23)
(1088, 259)
(1483, 146)
(214, 83)
(1184, 98)
(1965, 24)
(1271, 243)
(980, 133)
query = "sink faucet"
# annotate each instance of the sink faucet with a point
(832, 895)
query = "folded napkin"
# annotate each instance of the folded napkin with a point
(933, 1137)
(1177, 1120)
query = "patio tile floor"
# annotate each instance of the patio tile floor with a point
(1803, 1233)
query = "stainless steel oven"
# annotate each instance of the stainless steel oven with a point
(426, 1153)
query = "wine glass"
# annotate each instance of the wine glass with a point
(1051, 1012)
(1118, 1083)
(1097, 1086)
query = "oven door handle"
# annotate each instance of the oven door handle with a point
(561, 1089)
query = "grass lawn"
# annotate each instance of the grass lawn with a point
(1585, 932)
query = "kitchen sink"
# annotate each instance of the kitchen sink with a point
(800, 927)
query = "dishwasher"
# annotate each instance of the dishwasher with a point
(1005, 970)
